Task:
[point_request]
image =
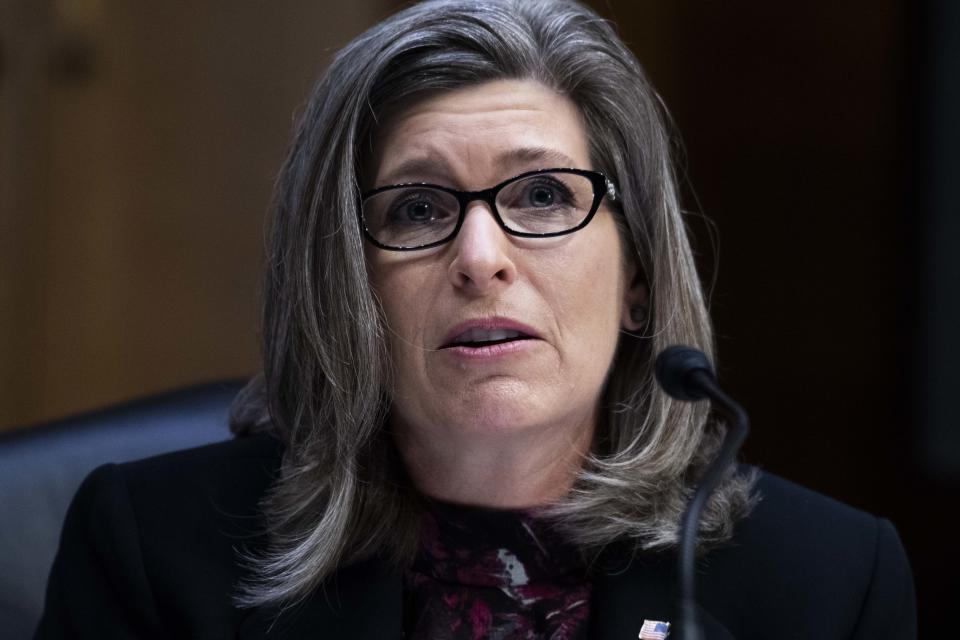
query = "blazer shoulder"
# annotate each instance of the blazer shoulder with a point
(217, 455)
(801, 559)
(237, 469)
(810, 534)
(134, 531)
(782, 502)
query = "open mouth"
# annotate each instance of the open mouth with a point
(477, 338)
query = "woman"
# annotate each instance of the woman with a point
(477, 252)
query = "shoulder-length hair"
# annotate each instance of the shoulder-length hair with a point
(342, 494)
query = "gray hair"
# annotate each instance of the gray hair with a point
(342, 493)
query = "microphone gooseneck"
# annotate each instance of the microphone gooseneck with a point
(685, 374)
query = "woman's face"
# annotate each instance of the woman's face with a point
(563, 298)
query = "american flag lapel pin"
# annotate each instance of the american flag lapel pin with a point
(654, 630)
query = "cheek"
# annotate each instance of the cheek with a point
(589, 297)
(591, 315)
(402, 322)
(600, 306)
(404, 293)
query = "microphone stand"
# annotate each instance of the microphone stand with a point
(738, 424)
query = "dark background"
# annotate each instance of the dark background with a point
(139, 141)
(822, 141)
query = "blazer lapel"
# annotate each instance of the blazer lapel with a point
(627, 591)
(360, 602)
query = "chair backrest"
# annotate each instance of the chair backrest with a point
(41, 468)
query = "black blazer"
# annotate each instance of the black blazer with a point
(149, 550)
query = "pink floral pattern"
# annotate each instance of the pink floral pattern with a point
(495, 574)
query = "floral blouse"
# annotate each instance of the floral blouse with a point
(502, 574)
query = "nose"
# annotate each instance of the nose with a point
(482, 258)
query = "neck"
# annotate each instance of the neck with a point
(505, 472)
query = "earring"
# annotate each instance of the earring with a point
(639, 314)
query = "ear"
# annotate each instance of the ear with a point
(636, 301)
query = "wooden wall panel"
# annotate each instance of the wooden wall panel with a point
(140, 142)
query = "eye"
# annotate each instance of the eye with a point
(419, 207)
(418, 211)
(540, 192)
(541, 196)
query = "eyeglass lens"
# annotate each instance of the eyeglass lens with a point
(543, 203)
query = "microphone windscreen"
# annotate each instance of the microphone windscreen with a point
(673, 368)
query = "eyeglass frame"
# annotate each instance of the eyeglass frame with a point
(602, 186)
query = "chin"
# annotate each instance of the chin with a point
(499, 420)
(506, 416)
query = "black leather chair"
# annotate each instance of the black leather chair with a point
(41, 468)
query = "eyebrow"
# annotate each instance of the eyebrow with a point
(525, 155)
(433, 166)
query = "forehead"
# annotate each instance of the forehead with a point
(485, 132)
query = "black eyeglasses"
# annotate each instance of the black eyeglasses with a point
(535, 204)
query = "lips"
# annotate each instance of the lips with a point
(482, 333)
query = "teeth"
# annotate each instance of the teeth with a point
(487, 335)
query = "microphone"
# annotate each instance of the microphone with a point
(685, 374)
(679, 370)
